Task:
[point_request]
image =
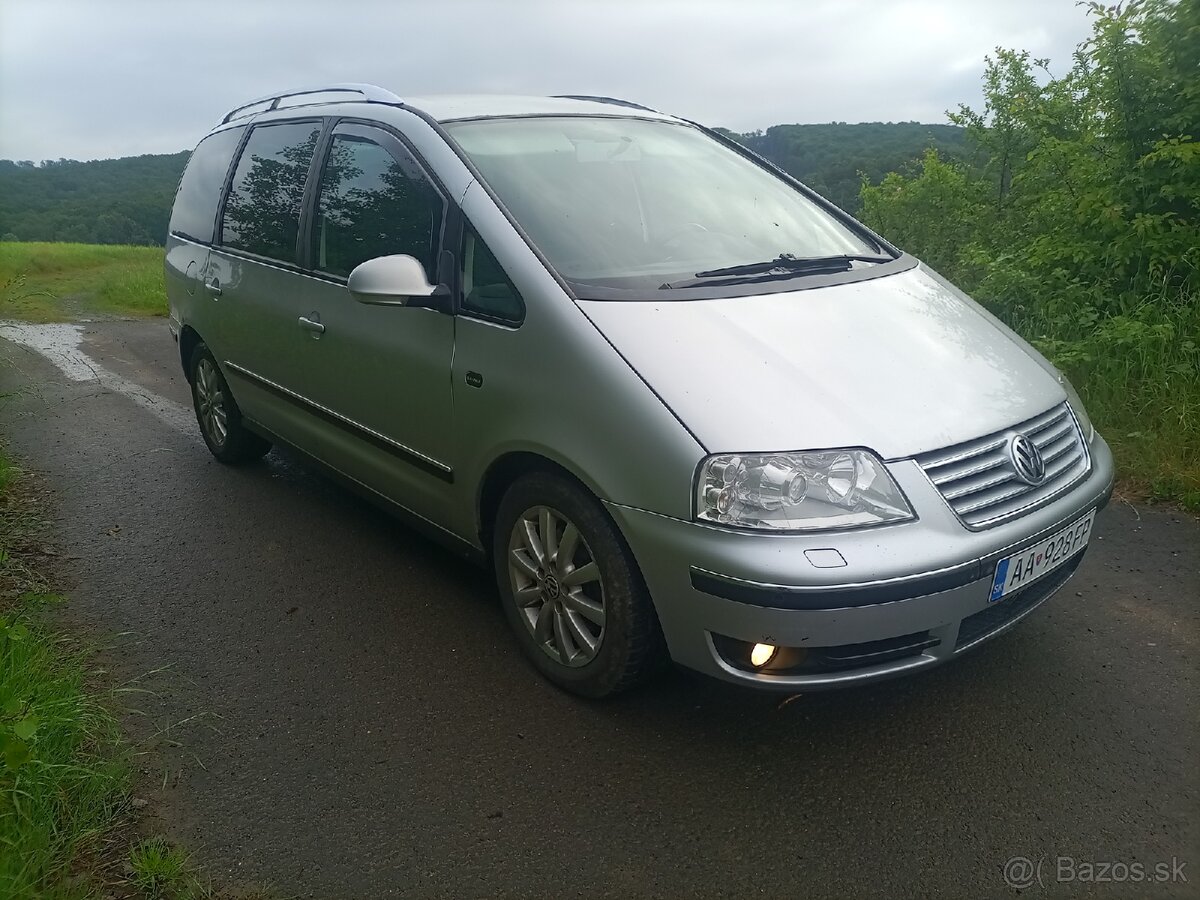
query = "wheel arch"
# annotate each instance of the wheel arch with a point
(500, 474)
(189, 340)
(641, 647)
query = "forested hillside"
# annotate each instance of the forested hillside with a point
(128, 201)
(108, 201)
(831, 159)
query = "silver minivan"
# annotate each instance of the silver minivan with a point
(682, 405)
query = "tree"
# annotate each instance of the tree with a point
(1082, 190)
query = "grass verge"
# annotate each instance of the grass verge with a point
(61, 282)
(163, 872)
(63, 778)
(66, 829)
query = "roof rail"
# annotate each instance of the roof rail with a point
(613, 100)
(368, 92)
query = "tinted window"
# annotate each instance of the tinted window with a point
(373, 203)
(262, 214)
(486, 289)
(195, 210)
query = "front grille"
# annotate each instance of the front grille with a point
(999, 614)
(977, 478)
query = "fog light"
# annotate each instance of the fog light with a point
(761, 655)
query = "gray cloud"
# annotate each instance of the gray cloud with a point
(99, 79)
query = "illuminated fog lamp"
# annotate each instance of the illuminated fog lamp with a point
(761, 654)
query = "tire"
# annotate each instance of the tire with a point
(549, 601)
(218, 415)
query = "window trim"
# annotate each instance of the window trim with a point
(381, 134)
(269, 262)
(219, 232)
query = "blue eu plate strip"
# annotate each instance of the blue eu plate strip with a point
(998, 583)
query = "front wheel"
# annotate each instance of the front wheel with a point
(571, 589)
(218, 415)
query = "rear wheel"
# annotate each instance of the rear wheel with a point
(218, 415)
(571, 589)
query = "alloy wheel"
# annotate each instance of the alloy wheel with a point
(556, 585)
(210, 402)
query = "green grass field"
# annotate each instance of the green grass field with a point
(61, 282)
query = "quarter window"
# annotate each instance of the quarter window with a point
(262, 213)
(195, 211)
(373, 202)
(486, 289)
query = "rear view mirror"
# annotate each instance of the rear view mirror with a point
(592, 151)
(397, 280)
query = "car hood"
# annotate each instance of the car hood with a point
(900, 364)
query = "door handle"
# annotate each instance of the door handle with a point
(309, 325)
(213, 287)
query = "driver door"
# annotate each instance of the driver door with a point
(379, 375)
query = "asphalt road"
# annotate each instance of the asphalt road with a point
(337, 709)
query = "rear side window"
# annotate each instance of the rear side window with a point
(195, 212)
(262, 213)
(373, 201)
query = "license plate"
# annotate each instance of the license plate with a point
(1030, 564)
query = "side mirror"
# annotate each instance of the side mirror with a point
(397, 280)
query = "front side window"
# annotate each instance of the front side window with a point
(262, 212)
(195, 211)
(373, 202)
(635, 203)
(487, 291)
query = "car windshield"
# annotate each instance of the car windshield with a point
(639, 204)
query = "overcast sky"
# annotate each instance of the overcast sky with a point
(101, 78)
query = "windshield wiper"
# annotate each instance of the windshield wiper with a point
(792, 264)
(783, 266)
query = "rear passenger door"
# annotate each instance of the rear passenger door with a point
(252, 273)
(191, 231)
(381, 373)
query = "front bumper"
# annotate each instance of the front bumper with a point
(926, 582)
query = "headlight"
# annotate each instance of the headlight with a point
(1085, 424)
(798, 491)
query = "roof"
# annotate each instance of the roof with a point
(448, 107)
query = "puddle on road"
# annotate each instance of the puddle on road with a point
(62, 345)
(58, 343)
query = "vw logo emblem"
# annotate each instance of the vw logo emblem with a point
(1027, 460)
